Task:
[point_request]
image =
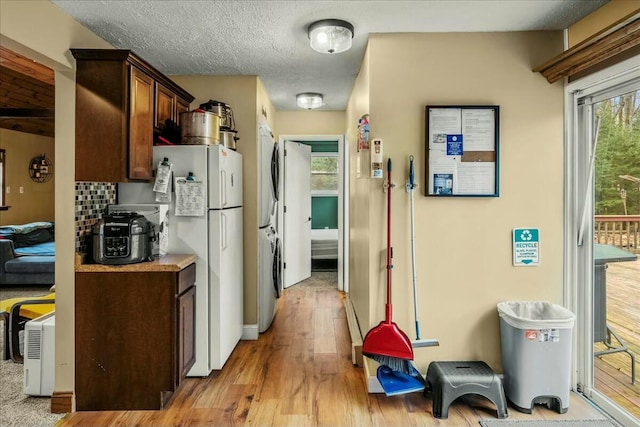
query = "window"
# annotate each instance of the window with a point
(324, 174)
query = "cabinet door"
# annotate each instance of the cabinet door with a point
(181, 106)
(186, 333)
(165, 106)
(124, 336)
(140, 125)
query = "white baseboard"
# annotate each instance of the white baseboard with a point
(370, 369)
(250, 332)
(354, 332)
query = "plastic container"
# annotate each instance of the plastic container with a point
(536, 354)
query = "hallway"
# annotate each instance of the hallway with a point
(299, 373)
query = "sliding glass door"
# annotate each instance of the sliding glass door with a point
(602, 237)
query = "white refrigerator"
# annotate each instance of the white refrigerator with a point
(216, 239)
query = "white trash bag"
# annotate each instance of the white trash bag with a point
(535, 315)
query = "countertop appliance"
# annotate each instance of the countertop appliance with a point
(227, 122)
(216, 239)
(123, 238)
(228, 132)
(157, 214)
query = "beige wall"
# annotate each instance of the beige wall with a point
(463, 245)
(36, 202)
(310, 122)
(266, 110)
(56, 33)
(247, 99)
(359, 212)
(601, 18)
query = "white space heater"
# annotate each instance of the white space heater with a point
(39, 355)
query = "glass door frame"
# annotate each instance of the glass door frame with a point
(579, 221)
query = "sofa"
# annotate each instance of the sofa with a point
(27, 254)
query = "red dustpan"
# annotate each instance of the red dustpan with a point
(386, 343)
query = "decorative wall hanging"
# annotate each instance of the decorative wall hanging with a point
(40, 169)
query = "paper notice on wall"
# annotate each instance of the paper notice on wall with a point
(445, 121)
(189, 197)
(163, 177)
(478, 127)
(163, 197)
(476, 178)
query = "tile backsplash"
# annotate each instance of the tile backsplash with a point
(91, 200)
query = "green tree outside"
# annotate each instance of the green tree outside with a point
(617, 173)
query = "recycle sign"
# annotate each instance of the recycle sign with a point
(526, 246)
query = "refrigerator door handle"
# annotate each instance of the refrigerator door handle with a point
(223, 179)
(224, 230)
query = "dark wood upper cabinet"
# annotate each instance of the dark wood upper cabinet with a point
(120, 101)
(181, 106)
(140, 126)
(168, 106)
(165, 106)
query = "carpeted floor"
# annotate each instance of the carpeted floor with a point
(16, 408)
(319, 280)
(547, 423)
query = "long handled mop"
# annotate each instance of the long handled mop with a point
(411, 185)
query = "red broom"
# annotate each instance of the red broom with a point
(386, 343)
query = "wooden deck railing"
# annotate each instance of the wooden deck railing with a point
(622, 231)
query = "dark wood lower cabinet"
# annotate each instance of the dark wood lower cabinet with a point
(186, 337)
(134, 337)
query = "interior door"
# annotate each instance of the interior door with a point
(297, 213)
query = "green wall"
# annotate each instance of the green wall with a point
(324, 212)
(324, 209)
(322, 146)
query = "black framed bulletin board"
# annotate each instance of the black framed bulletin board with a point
(462, 150)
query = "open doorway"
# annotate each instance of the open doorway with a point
(328, 204)
(27, 116)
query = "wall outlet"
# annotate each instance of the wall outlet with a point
(8, 190)
(21, 190)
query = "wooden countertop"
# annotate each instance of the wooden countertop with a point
(173, 262)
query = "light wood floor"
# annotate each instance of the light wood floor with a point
(299, 373)
(613, 371)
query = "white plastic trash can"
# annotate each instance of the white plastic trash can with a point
(536, 354)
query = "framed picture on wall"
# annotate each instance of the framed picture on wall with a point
(462, 150)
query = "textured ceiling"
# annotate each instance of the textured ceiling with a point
(268, 38)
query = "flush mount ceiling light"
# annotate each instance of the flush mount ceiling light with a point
(309, 100)
(330, 35)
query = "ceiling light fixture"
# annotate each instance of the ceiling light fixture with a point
(330, 35)
(309, 100)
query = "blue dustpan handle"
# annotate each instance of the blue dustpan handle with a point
(412, 182)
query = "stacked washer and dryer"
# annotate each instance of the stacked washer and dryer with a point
(269, 244)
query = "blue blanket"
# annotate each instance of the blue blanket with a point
(46, 248)
(25, 228)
